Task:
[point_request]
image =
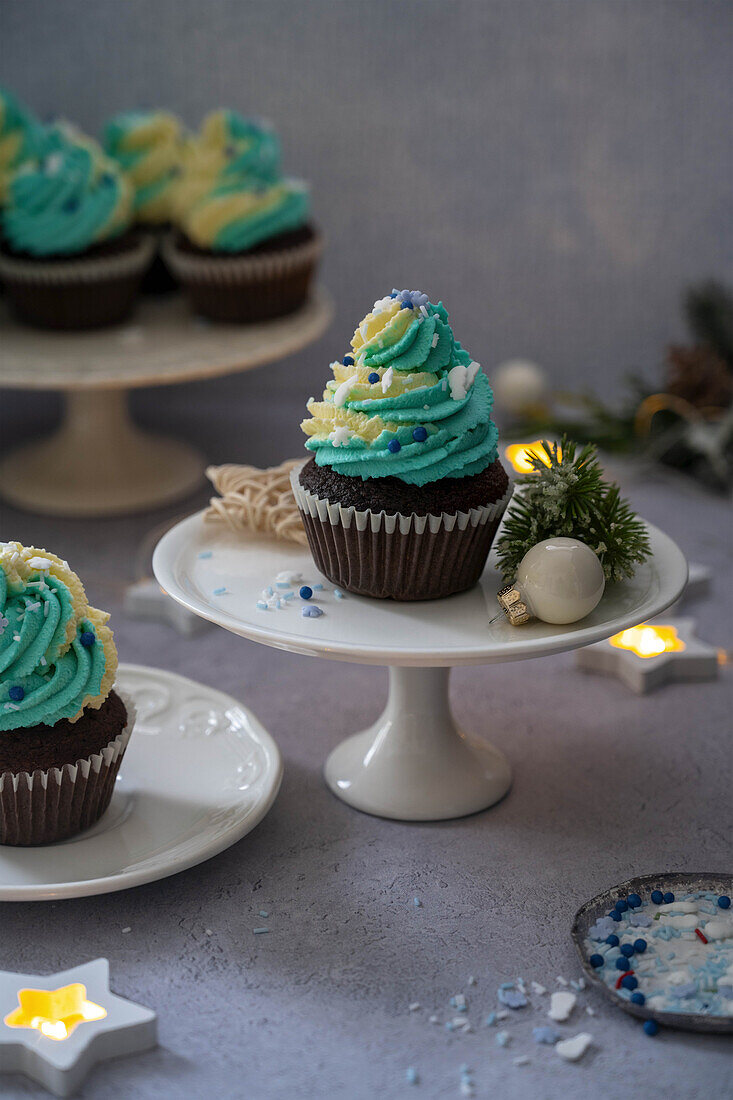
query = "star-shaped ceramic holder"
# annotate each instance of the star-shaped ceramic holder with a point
(54, 1028)
(654, 653)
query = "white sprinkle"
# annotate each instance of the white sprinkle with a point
(502, 1015)
(472, 980)
(423, 311)
(522, 1060)
(16, 637)
(208, 932)
(45, 610)
(434, 342)
(433, 1020)
(560, 980)
(342, 391)
(387, 379)
(11, 706)
(126, 929)
(579, 984)
(561, 1005)
(538, 989)
(573, 1049)
(43, 661)
(33, 606)
(414, 1006)
(590, 1011)
(288, 577)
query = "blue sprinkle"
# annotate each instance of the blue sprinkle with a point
(615, 915)
(419, 434)
(394, 293)
(622, 963)
(640, 920)
(282, 584)
(612, 940)
(596, 961)
(490, 1019)
(657, 897)
(311, 612)
(16, 693)
(269, 590)
(640, 946)
(288, 595)
(621, 906)
(87, 638)
(407, 305)
(417, 903)
(637, 999)
(507, 985)
(546, 1035)
(411, 1075)
(651, 1027)
(206, 554)
(502, 1038)
(689, 989)
(373, 377)
(264, 913)
(262, 605)
(627, 949)
(317, 587)
(724, 901)
(512, 998)
(629, 982)
(348, 360)
(634, 901)
(394, 446)
(668, 898)
(260, 931)
(338, 594)
(219, 591)
(305, 592)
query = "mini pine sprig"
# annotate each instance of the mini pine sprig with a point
(566, 495)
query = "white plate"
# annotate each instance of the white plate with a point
(453, 631)
(199, 773)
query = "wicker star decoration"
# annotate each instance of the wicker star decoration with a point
(258, 500)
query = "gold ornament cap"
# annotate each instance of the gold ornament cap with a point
(513, 604)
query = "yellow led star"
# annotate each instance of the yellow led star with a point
(54, 1012)
(648, 641)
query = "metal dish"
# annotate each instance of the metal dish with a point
(599, 905)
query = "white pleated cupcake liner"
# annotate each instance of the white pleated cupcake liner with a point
(81, 269)
(397, 556)
(45, 805)
(224, 268)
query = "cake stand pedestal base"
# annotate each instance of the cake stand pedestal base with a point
(98, 463)
(414, 763)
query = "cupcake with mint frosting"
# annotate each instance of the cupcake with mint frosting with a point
(149, 148)
(69, 259)
(245, 248)
(405, 490)
(63, 726)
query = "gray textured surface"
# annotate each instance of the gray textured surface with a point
(556, 172)
(607, 785)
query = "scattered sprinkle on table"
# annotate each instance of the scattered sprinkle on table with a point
(260, 931)
(220, 591)
(126, 929)
(573, 1049)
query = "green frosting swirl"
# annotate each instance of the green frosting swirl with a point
(232, 195)
(20, 134)
(148, 146)
(53, 660)
(409, 402)
(68, 198)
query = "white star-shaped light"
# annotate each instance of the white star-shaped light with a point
(61, 1064)
(651, 654)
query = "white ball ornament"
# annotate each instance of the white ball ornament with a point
(519, 385)
(559, 581)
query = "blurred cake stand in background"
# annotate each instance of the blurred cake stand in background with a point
(98, 462)
(414, 763)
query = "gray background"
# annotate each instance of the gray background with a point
(556, 172)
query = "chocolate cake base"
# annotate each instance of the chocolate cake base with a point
(93, 290)
(267, 281)
(427, 553)
(41, 804)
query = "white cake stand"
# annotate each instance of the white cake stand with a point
(98, 462)
(414, 763)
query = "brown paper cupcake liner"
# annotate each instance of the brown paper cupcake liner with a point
(78, 293)
(41, 807)
(398, 557)
(246, 288)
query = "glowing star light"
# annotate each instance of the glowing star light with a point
(518, 455)
(646, 656)
(55, 1028)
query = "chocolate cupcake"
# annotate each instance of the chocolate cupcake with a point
(405, 491)
(69, 259)
(149, 148)
(63, 729)
(245, 249)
